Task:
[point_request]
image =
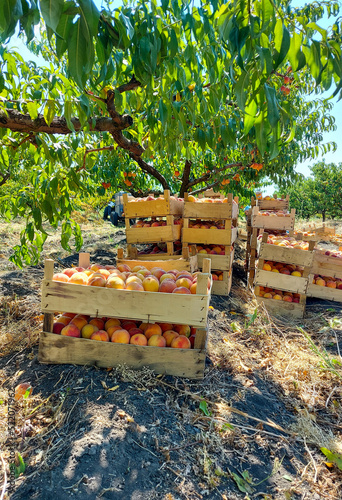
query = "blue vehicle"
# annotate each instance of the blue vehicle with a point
(115, 209)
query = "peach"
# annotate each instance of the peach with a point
(267, 267)
(133, 277)
(60, 277)
(144, 326)
(115, 282)
(183, 274)
(128, 324)
(137, 268)
(169, 335)
(138, 339)
(181, 342)
(284, 270)
(339, 285)
(331, 284)
(79, 322)
(193, 288)
(112, 322)
(124, 268)
(277, 297)
(104, 272)
(58, 327)
(88, 330)
(167, 286)
(153, 329)
(101, 335)
(111, 329)
(267, 295)
(165, 326)
(134, 331)
(296, 273)
(145, 272)
(95, 267)
(63, 319)
(192, 341)
(69, 315)
(320, 282)
(167, 276)
(182, 330)
(184, 282)
(70, 271)
(156, 341)
(151, 284)
(157, 272)
(97, 281)
(121, 337)
(97, 322)
(182, 289)
(78, 279)
(288, 298)
(71, 330)
(275, 270)
(135, 286)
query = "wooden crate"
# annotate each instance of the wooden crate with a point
(276, 204)
(211, 211)
(161, 234)
(218, 262)
(287, 283)
(148, 307)
(166, 262)
(325, 265)
(224, 237)
(153, 208)
(270, 222)
(223, 287)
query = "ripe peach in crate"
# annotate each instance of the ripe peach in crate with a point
(71, 330)
(182, 330)
(121, 337)
(60, 277)
(79, 321)
(138, 339)
(100, 335)
(88, 330)
(181, 342)
(156, 341)
(169, 335)
(167, 286)
(153, 329)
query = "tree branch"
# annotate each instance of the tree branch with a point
(207, 176)
(209, 186)
(5, 177)
(87, 151)
(185, 178)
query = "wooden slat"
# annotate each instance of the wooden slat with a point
(223, 287)
(276, 204)
(153, 208)
(283, 309)
(209, 236)
(144, 306)
(324, 292)
(294, 256)
(218, 262)
(279, 281)
(59, 349)
(326, 265)
(168, 263)
(161, 234)
(270, 222)
(211, 211)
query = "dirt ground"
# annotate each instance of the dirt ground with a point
(252, 428)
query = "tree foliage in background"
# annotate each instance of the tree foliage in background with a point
(319, 194)
(180, 95)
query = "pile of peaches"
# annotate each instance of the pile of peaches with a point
(332, 253)
(139, 278)
(121, 331)
(286, 241)
(160, 248)
(152, 198)
(207, 224)
(271, 293)
(193, 199)
(270, 198)
(212, 249)
(155, 222)
(275, 213)
(327, 281)
(280, 267)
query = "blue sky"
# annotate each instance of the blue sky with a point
(336, 136)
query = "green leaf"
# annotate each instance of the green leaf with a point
(272, 105)
(335, 458)
(63, 30)
(51, 12)
(32, 108)
(240, 87)
(49, 111)
(163, 112)
(20, 469)
(67, 115)
(10, 12)
(204, 408)
(77, 53)
(200, 138)
(173, 44)
(242, 483)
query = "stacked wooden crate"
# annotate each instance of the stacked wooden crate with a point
(326, 275)
(204, 214)
(263, 218)
(149, 307)
(166, 210)
(283, 294)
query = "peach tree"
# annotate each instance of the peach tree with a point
(187, 95)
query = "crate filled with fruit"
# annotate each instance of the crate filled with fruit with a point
(98, 299)
(284, 265)
(211, 208)
(326, 275)
(273, 219)
(273, 203)
(151, 206)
